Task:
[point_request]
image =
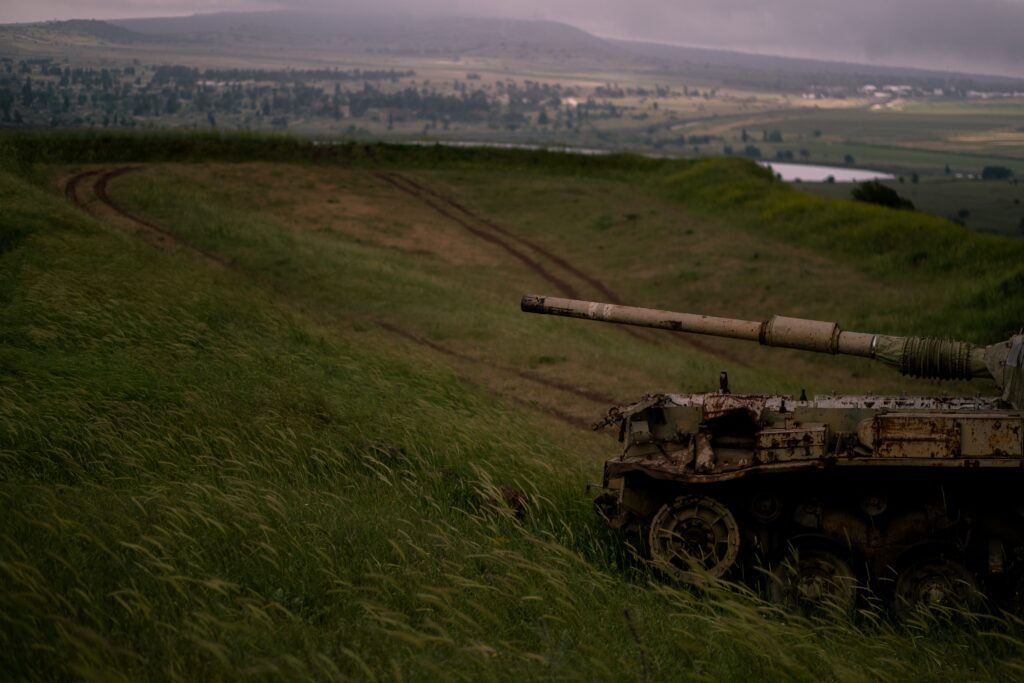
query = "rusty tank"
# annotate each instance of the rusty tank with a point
(911, 500)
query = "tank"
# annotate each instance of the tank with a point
(911, 500)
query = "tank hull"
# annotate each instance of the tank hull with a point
(907, 499)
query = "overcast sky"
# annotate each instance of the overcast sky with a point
(968, 35)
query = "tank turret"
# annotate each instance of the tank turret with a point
(912, 498)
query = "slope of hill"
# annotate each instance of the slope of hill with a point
(411, 35)
(453, 35)
(98, 29)
(270, 409)
(75, 31)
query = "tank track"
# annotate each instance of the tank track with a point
(904, 536)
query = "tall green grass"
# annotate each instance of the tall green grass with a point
(983, 275)
(198, 480)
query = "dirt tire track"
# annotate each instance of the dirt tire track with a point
(403, 185)
(546, 410)
(100, 189)
(423, 193)
(611, 296)
(160, 233)
(71, 187)
(587, 394)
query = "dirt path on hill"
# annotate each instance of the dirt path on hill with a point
(590, 395)
(600, 401)
(164, 238)
(161, 235)
(601, 287)
(405, 185)
(71, 187)
(458, 212)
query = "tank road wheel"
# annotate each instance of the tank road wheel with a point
(693, 538)
(1013, 593)
(815, 577)
(936, 583)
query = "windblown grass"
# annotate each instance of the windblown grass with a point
(200, 480)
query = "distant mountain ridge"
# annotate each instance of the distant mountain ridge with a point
(454, 36)
(667, 55)
(451, 35)
(92, 28)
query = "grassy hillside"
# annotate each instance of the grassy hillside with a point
(270, 422)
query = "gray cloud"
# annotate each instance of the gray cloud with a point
(945, 34)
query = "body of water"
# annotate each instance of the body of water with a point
(810, 173)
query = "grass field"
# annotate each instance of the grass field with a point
(990, 206)
(262, 406)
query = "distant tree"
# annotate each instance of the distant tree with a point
(817, 133)
(26, 93)
(914, 178)
(743, 135)
(804, 153)
(211, 118)
(727, 150)
(173, 104)
(830, 179)
(752, 151)
(996, 173)
(542, 117)
(6, 102)
(948, 170)
(874, 192)
(849, 160)
(774, 136)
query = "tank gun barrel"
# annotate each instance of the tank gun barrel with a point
(915, 356)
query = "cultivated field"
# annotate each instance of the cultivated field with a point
(270, 410)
